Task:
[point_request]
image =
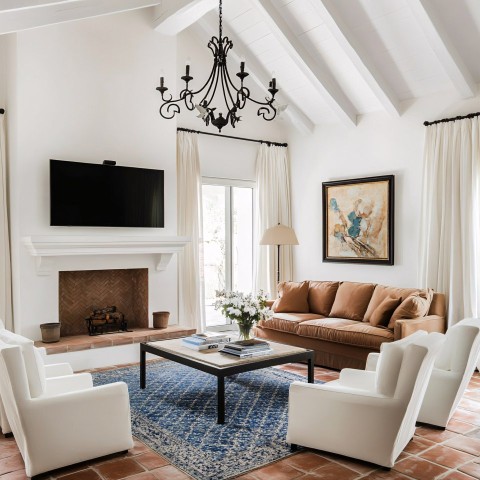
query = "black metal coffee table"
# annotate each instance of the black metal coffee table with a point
(222, 365)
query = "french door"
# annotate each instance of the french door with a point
(227, 241)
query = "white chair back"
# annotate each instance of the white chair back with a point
(415, 372)
(452, 372)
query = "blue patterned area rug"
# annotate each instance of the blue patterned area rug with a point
(176, 415)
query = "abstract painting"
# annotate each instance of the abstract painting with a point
(358, 220)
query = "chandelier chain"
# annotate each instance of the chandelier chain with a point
(220, 24)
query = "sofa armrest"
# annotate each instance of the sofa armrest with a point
(430, 323)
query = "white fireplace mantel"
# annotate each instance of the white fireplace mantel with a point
(47, 247)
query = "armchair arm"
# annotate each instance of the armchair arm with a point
(372, 361)
(58, 370)
(430, 323)
(68, 383)
(361, 379)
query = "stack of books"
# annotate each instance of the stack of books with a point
(247, 348)
(206, 340)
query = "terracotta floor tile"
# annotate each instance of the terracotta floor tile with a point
(87, 474)
(12, 463)
(121, 468)
(446, 456)
(471, 405)
(306, 461)
(143, 476)
(17, 475)
(435, 435)
(418, 445)
(419, 469)
(381, 474)
(473, 394)
(138, 447)
(169, 472)
(279, 471)
(467, 416)
(151, 460)
(334, 471)
(472, 469)
(351, 463)
(459, 427)
(8, 449)
(247, 476)
(465, 444)
(456, 475)
(474, 434)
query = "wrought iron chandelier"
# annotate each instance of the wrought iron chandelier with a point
(235, 98)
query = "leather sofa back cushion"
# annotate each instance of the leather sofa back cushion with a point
(414, 306)
(381, 293)
(352, 300)
(321, 296)
(382, 314)
(293, 297)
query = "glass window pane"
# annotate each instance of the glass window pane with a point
(242, 239)
(214, 248)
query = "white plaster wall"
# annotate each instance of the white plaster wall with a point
(379, 145)
(85, 91)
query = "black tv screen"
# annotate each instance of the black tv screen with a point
(93, 195)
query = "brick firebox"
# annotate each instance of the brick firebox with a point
(127, 289)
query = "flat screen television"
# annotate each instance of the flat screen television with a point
(93, 195)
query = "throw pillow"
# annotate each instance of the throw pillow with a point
(293, 298)
(321, 296)
(414, 306)
(382, 314)
(352, 300)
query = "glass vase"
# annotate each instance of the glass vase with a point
(244, 332)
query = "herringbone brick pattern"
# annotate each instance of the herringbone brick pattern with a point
(127, 289)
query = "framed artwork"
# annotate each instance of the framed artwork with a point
(358, 219)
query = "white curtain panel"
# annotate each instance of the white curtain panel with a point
(189, 223)
(450, 225)
(6, 313)
(273, 207)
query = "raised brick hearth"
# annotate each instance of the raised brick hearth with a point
(76, 343)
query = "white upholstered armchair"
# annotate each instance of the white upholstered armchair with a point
(366, 415)
(41, 378)
(56, 430)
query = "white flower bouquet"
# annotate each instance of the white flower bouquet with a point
(244, 309)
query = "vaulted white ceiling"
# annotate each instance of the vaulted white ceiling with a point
(333, 59)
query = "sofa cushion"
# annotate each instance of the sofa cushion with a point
(382, 292)
(352, 300)
(321, 296)
(286, 322)
(414, 306)
(382, 314)
(293, 297)
(349, 332)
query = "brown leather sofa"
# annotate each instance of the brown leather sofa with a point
(345, 321)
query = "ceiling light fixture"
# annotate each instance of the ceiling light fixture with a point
(235, 98)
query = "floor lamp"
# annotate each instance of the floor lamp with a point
(279, 235)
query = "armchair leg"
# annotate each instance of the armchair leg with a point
(293, 447)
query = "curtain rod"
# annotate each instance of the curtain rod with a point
(445, 120)
(2, 111)
(180, 129)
